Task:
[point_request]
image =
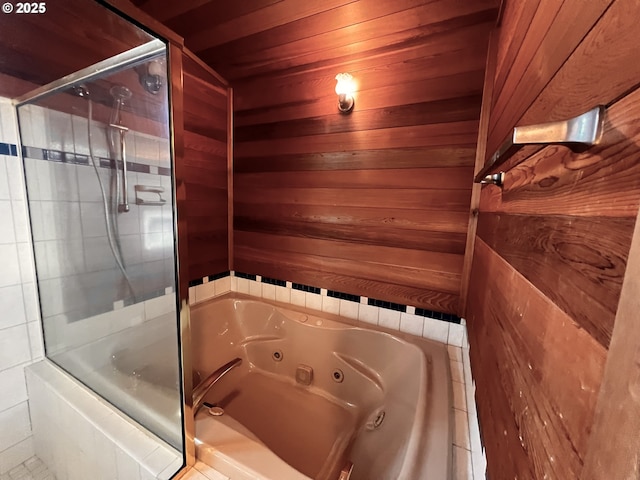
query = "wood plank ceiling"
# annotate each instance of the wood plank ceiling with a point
(373, 203)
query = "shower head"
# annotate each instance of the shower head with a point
(120, 92)
(81, 90)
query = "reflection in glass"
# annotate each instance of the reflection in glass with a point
(98, 171)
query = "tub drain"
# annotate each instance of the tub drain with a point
(277, 355)
(337, 375)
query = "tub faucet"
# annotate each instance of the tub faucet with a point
(201, 390)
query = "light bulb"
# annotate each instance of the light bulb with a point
(344, 84)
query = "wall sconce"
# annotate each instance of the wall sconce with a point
(345, 87)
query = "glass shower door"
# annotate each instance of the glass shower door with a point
(98, 170)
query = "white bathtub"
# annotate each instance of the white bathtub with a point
(278, 429)
(136, 370)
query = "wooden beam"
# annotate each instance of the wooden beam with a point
(614, 444)
(483, 131)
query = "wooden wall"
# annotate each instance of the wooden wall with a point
(36, 49)
(552, 246)
(206, 118)
(376, 202)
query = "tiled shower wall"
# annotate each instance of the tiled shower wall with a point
(20, 333)
(72, 250)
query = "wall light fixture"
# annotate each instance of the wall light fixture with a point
(345, 87)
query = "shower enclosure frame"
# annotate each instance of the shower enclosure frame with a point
(176, 122)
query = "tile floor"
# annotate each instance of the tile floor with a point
(32, 469)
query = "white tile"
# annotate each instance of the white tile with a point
(223, 285)
(268, 291)
(323, 292)
(35, 341)
(389, 319)
(436, 330)
(60, 131)
(368, 314)
(158, 460)
(331, 305)
(255, 288)
(243, 285)
(283, 294)
(16, 454)
(65, 182)
(13, 386)
(457, 374)
(126, 467)
(15, 425)
(171, 470)
(129, 222)
(158, 306)
(151, 219)
(411, 324)
(461, 429)
(152, 246)
(192, 295)
(455, 353)
(456, 334)
(298, 297)
(80, 127)
(31, 305)
(349, 309)
(5, 192)
(462, 464)
(313, 301)
(364, 300)
(7, 233)
(479, 465)
(21, 221)
(58, 258)
(131, 249)
(88, 186)
(33, 464)
(25, 258)
(474, 431)
(234, 282)
(8, 123)
(459, 396)
(15, 175)
(14, 347)
(12, 304)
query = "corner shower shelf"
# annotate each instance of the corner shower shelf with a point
(577, 133)
(151, 189)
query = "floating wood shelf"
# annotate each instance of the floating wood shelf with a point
(577, 133)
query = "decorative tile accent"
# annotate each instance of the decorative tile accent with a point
(387, 305)
(306, 288)
(8, 149)
(77, 159)
(343, 296)
(248, 276)
(219, 275)
(447, 317)
(274, 281)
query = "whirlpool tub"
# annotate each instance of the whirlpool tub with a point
(315, 394)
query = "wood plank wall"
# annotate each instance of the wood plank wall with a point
(205, 169)
(552, 246)
(373, 203)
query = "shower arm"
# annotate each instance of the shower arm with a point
(201, 390)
